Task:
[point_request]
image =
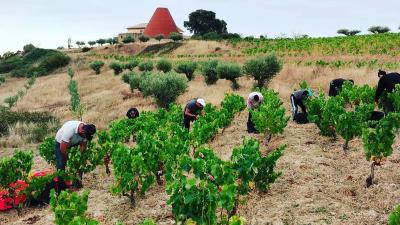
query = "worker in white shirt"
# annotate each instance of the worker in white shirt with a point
(253, 101)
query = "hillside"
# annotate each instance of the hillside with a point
(319, 184)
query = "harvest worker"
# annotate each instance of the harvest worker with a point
(72, 133)
(192, 110)
(253, 101)
(387, 82)
(336, 85)
(132, 113)
(297, 99)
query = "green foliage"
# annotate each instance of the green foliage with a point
(84, 161)
(130, 65)
(11, 101)
(133, 79)
(209, 72)
(263, 69)
(117, 67)
(378, 29)
(395, 98)
(229, 71)
(187, 68)
(70, 208)
(146, 66)
(96, 66)
(128, 39)
(175, 36)
(46, 149)
(14, 168)
(28, 48)
(164, 65)
(348, 32)
(144, 38)
(159, 37)
(203, 21)
(378, 141)
(394, 216)
(91, 43)
(148, 222)
(322, 112)
(269, 118)
(101, 41)
(165, 88)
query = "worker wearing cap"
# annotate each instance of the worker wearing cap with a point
(192, 111)
(297, 99)
(253, 101)
(72, 133)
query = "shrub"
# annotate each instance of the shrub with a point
(91, 43)
(144, 38)
(53, 62)
(117, 67)
(128, 39)
(378, 29)
(96, 66)
(132, 79)
(131, 64)
(209, 71)
(229, 71)
(28, 48)
(159, 37)
(146, 66)
(11, 101)
(101, 41)
(394, 216)
(187, 68)
(86, 49)
(165, 88)
(175, 36)
(263, 69)
(164, 65)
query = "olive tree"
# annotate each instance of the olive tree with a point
(263, 69)
(187, 68)
(230, 71)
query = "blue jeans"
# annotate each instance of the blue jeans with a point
(60, 158)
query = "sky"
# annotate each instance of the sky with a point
(49, 23)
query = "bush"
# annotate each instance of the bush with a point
(86, 49)
(164, 65)
(128, 39)
(53, 62)
(229, 71)
(159, 37)
(96, 66)
(132, 79)
(144, 38)
(91, 43)
(28, 48)
(210, 72)
(146, 66)
(187, 68)
(378, 29)
(165, 88)
(211, 36)
(101, 41)
(117, 67)
(131, 64)
(263, 69)
(175, 36)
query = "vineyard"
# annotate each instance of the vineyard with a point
(341, 168)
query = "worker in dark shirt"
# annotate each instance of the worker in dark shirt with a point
(387, 82)
(297, 99)
(192, 111)
(336, 85)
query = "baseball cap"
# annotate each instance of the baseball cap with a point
(201, 102)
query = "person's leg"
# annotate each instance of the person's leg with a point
(331, 89)
(294, 105)
(250, 124)
(388, 106)
(302, 106)
(186, 122)
(60, 165)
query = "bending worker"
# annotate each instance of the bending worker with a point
(387, 82)
(192, 111)
(336, 85)
(253, 101)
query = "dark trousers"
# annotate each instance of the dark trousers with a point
(295, 105)
(187, 120)
(250, 125)
(60, 165)
(388, 106)
(333, 90)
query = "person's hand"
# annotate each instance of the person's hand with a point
(196, 117)
(203, 112)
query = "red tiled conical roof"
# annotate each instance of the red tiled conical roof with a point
(161, 23)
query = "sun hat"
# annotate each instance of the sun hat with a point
(201, 102)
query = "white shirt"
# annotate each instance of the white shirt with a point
(69, 133)
(251, 103)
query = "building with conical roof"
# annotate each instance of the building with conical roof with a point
(160, 23)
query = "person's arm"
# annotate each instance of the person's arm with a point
(83, 145)
(63, 149)
(379, 90)
(187, 112)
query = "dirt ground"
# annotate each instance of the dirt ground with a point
(319, 183)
